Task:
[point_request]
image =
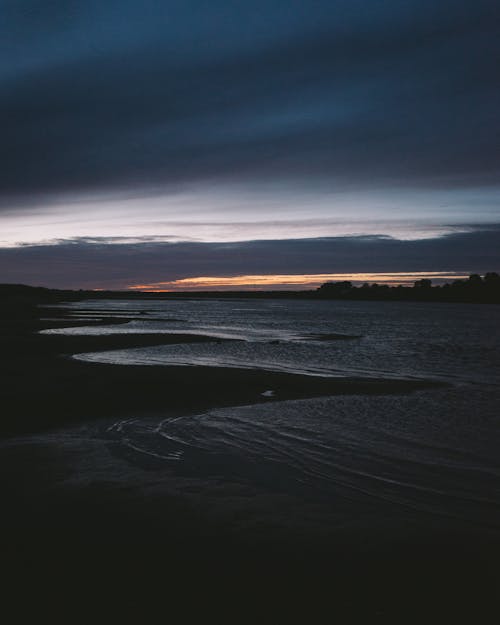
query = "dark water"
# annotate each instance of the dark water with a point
(432, 453)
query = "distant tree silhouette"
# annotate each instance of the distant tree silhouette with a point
(473, 289)
(336, 288)
(424, 283)
(492, 279)
(475, 280)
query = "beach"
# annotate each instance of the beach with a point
(77, 499)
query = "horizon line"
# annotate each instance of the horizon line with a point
(256, 282)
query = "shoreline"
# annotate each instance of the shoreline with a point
(64, 390)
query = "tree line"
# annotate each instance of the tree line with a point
(475, 288)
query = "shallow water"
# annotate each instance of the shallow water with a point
(432, 453)
(453, 342)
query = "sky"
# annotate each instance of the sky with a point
(179, 144)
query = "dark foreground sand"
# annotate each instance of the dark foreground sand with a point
(113, 550)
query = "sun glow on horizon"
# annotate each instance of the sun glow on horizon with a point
(284, 281)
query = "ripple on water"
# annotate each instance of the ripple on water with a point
(342, 461)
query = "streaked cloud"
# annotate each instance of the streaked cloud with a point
(308, 281)
(97, 264)
(239, 213)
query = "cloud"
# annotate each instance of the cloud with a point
(130, 95)
(97, 264)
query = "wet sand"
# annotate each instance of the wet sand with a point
(152, 551)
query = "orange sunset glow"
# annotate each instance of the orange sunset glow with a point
(294, 281)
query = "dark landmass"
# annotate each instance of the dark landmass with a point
(145, 553)
(475, 289)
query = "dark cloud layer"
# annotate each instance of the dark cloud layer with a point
(98, 264)
(116, 95)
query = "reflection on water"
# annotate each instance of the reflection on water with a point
(434, 452)
(454, 342)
